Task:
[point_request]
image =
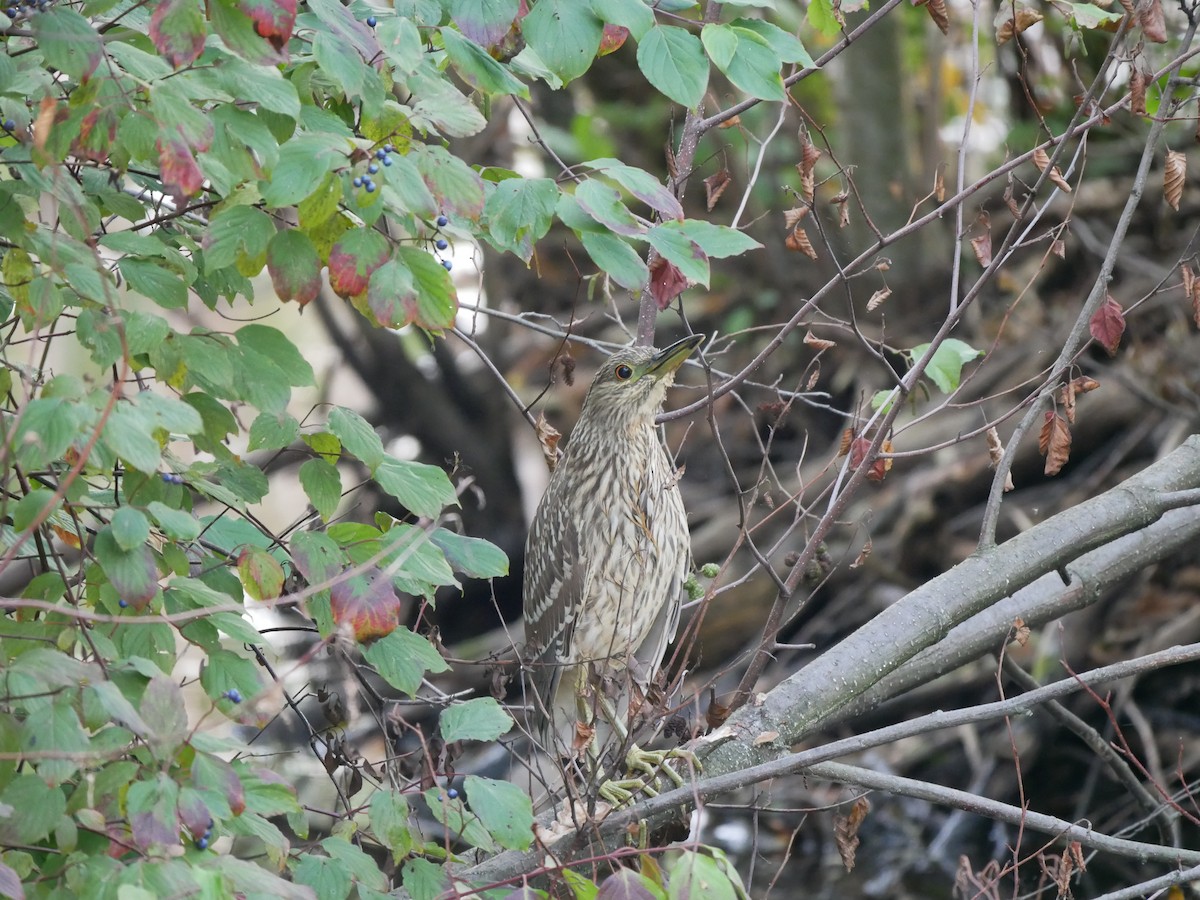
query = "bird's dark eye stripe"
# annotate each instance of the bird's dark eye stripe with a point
(623, 371)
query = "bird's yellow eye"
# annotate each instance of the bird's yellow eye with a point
(623, 372)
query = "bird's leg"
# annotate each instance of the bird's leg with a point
(649, 762)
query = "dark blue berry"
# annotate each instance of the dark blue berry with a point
(442, 221)
(11, 13)
(389, 149)
(233, 695)
(452, 794)
(387, 160)
(372, 21)
(370, 186)
(9, 125)
(372, 168)
(441, 243)
(122, 603)
(202, 844)
(358, 181)
(447, 265)
(380, 153)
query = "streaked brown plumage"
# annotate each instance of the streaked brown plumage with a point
(608, 548)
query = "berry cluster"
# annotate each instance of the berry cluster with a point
(442, 244)
(15, 9)
(383, 156)
(172, 478)
(204, 839)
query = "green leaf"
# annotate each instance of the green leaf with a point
(67, 41)
(945, 368)
(422, 488)
(272, 431)
(425, 880)
(389, 822)
(519, 212)
(681, 249)
(402, 659)
(175, 523)
(31, 507)
(565, 34)
(481, 719)
(786, 46)
(261, 574)
(754, 67)
(46, 429)
(240, 35)
(505, 810)
(821, 16)
(632, 14)
(57, 730)
(673, 61)
(155, 282)
(234, 234)
(603, 203)
(272, 345)
(432, 303)
(696, 874)
(323, 485)
(132, 573)
(717, 241)
(720, 43)
(478, 69)
(473, 557)
(357, 436)
(128, 434)
(40, 805)
(455, 186)
(130, 527)
(882, 400)
(642, 185)
(165, 714)
(303, 163)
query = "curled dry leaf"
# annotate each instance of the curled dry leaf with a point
(792, 217)
(583, 737)
(882, 464)
(847, 438)
(549, 437)
(839, 200)
(1054, 442)
(1020, 631)
(858, 451)
(714, 187)
(1009, 200)
(1150, 17)
(1108, 324)
(1067, 398)
(845, 830)
(765, 738)
(798, 242)
(996, 453)
(1041, 159)
(982, 246)
(1084, 384)
(814, 377)
(1137, 90)
(666, 282)
(939, 184)
(937, 12)
(818, 343)
(1174, 174)
(1058, 248)
(863, 555)
(809, 154)
(878, 298)
(1013, 20)
(1189, 278)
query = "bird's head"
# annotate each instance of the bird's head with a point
(632, 382)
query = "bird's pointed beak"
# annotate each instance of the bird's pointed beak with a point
(671, 358)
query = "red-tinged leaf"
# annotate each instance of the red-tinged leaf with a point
(485, 23)
(177, 31)
(367, 604)
(273, 20)
(626, 884)
(151, 807)
(612, 39)
(261, 573)
(1108, 324)
(666, 282)
(353, 258)
(231, 20)
(1054, 442)
(858, 451)
(177, 164)
(295, 266)
(193, 812)
(211, 773)
(97, 132)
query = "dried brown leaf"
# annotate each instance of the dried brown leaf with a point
(840, 200)
(1054, 442)
(798, 242)
(809, 154)
(714, 187)
(814, 377)
(847, 438)
(583, 737)
(1041, 159)
(882, 464)
(859, 448)
(1067, 398)
(1009, 201)
(1196, 302)
(765, 738)
(666, 282)
(845, 830)
(818, 343)
(1174, 175)
(549, 437)
(1137, 91)
(937, 12)
(1108, 324)
(939, 184)
(863, 555)
(1058, 248)
(731, 122)
(1020, 631)
(1084, 384)
(982, 246)
(1189, 278)
(1010, 21)
(878, 298)
(996, 453)
(792, 217)
(1150, 17)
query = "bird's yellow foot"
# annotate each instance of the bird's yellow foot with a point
(651, 764)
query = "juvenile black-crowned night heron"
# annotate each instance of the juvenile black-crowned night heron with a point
(607, 553)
